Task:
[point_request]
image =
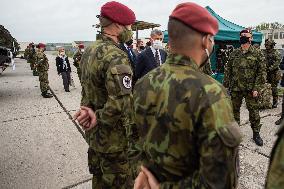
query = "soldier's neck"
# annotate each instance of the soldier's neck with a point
(113, 37)
(245, 47)
(194, 54)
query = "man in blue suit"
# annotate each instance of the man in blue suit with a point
(152, 57)
(127, 47)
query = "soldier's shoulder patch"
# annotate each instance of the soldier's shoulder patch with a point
(127, 82)
(122, 74)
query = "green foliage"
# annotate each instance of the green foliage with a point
(267, 26)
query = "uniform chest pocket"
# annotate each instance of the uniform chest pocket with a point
(251, 60)
(122, 78)
(247, 64)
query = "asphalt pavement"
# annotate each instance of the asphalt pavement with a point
(41, 147)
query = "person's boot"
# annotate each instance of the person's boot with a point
(279, 121)
(46, 95)
(257, 139)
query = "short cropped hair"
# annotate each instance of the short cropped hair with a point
(181, 36)
(156, 32)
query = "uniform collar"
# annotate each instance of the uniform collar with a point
(250, 49)
(110, 40)
(182, 60)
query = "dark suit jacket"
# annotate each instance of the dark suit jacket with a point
(132, 59)
(60, 66)
(146, 62)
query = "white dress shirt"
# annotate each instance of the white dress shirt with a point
(154, 52)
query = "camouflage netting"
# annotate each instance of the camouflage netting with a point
(6, 39)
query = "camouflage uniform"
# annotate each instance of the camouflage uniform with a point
(272, 58)
(278, 122)
(77, 58)
(31, 57)
(42, 66)
(32, 60)
(245, 73)
(275, 177)
(188, 135)
(106, 88)
(207, 69)
(26, 53)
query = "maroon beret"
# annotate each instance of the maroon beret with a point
(118, 13)
(81, 46)
(246, 31)
(41, 45)
(196, 17)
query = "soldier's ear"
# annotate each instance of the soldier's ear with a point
(205, 41)
(119, 27)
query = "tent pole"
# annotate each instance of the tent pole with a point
(136, 34)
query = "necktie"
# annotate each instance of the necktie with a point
(130, 53)
(157, 58)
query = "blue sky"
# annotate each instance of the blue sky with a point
(69, 20)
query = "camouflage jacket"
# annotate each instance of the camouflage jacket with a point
(272, 60)
(207, 69)
(245, 71)
(26, 53)
(107, 89)
(77, 58)
(41, 62)
(275, 177)
(31, 55)
(188, 137)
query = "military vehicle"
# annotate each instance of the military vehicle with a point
(9, 48)
(6, 56)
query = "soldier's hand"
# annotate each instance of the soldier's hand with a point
(141, 182)
(154, 184)
(254, 94)
(92, 121)
(83, 118)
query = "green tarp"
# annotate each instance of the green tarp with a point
(228, 31)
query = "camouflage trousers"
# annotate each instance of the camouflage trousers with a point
(275, 178)
(32, 65)
(282, 112)
(110, 170)
(252, 105)
(79, 73)
(43, 81)
(271, 79)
